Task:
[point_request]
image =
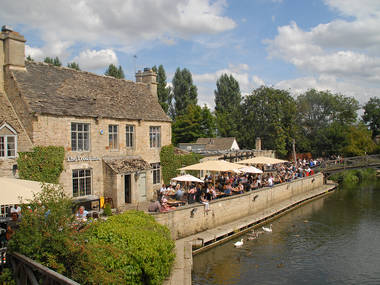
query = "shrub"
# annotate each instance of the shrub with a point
(353, 177)
(43, 164)
(107, 210)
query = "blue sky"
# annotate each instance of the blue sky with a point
(288, 44)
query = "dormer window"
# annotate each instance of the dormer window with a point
(8, 141)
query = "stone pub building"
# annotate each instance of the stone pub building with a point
(112, 129)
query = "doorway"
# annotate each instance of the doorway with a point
(127, 188)
(141, 186)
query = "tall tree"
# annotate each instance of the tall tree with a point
(371, 115)
(73, 65)
(163, 90)
(113, 71)
(208, 123)
(358, 141)
(270, 114)
(29, 58)
(54, 61)
(227, 104)
(184, 91)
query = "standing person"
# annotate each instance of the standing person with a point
(12, 226)
(16, 209)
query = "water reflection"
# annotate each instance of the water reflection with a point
(333, 240)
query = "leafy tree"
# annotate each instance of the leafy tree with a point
(29, 58)
(227, 104)
(322, 116)
(113, 71)
(208, 125)
(358, 141)
(73, 65)
(187, 127)
(270, 114)
(54, 61)
(184, 91)
(163, 91)
(371, 115)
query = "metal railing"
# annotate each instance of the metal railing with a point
(27, 271)
(350, 163)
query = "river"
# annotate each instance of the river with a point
(332, 240)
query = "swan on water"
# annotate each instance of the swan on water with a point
(269, 230)
(238, 243)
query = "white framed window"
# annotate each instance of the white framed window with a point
(8, 141)
(130, 135)
(113, 138)
(155, 136)
(156, 172)
(80, 137)
(82, 182)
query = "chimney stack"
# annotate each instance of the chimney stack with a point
(149, 77)
(12, 51)
(258, 144)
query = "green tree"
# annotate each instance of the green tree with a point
(54, 61)
(371, 115)
(321, 114)
(270, 114)
(73, 65)
(163, 90)
(358, 141)
(208, 124)
(184, 91)
(227, 105)
(29, 58)
(187, 127)
(113, 71)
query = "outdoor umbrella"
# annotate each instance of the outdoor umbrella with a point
(262, 160)
(187, 178)
(213, 165)
(250, 169)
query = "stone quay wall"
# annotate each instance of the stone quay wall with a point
(192, 219)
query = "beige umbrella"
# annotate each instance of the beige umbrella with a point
(12, 189)
(262, 160)
(213, 165)
(250, 169)
(187, 178)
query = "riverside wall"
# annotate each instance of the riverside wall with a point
(191, 219)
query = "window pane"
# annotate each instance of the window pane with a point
(88, 186)
(75, 173)
(2, 146)
(73, 126)
(81, 186)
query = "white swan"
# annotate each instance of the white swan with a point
(238, 243)
(269, 230)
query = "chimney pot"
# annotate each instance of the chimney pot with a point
(6, 28)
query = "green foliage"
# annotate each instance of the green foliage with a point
(29, 58)
(43, 164)
(113, 71)
(184, 91)
(170, 162)
(227, 106)
(270, 114)
(73, 65)
(353, 177)
(163, 90)
(107, 210)
(371, 115)
(6, 277)
(133, 246)
(196, 123)
(54, 61)
(358, 141)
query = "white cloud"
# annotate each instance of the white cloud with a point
(96, 59)
(125, 24)
(35, 53)
(346, 50)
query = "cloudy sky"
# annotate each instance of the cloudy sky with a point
(288, 44)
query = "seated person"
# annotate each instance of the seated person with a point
(228, 189)
(81, 214)
(179, 193)
(154, 206)
(12, 226)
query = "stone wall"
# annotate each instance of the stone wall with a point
(182, 223)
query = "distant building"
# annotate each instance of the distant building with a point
(112, 129)
(211, 144)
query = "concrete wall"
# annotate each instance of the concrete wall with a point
(226, 210)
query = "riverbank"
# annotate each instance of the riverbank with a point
(274, 201)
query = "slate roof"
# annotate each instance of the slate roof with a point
(62, 91)
(128, 164)
(216, 143)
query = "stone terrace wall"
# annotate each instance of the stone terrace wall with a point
(226, 210)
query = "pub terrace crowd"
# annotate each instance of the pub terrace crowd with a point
(227, 184)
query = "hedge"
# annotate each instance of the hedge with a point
(43, 164)
(171, 162)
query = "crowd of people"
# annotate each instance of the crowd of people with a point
(227, 184)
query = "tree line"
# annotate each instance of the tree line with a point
(320, 122)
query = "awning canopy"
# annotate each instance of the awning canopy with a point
(213, 165)
(12, 189)
(262, 160)
(250, 169)
(127, 164)
(187, 178)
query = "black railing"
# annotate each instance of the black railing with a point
(27, 271)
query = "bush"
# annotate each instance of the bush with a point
(107, 210)
(170, 162)
(43, 164)
(353, 177)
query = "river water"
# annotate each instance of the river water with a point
(332, 240)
